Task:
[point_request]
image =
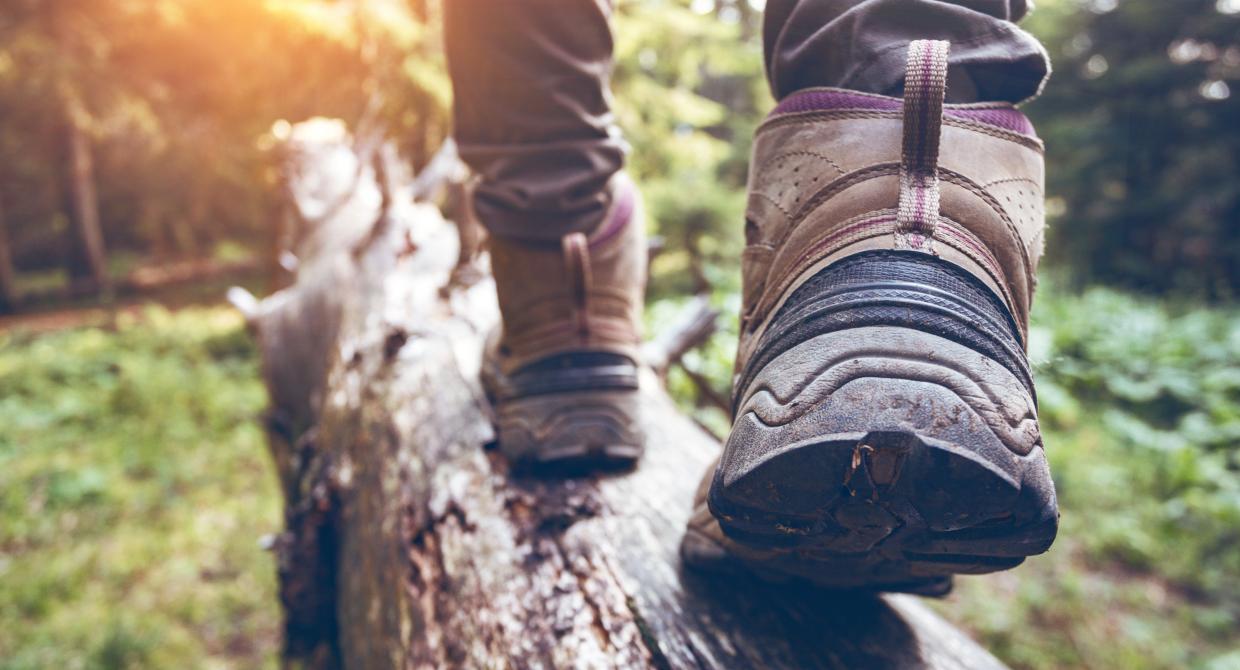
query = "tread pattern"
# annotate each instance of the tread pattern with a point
(577, 410)
(585, 428)
(887, 510)
(886, 434)
(902, 289)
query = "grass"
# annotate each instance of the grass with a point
(1105, 595)
(134, 488)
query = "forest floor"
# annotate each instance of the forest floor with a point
(135, 493)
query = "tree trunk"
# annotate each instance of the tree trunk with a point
(410, 543)
(8, 276)
(85, 205)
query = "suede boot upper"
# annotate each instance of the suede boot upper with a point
(838, 172)
(581, 294)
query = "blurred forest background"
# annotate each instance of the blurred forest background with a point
(140, 176)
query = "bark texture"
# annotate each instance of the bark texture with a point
(8, 276)
(410, 544)
(85, 208)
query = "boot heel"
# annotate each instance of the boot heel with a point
(577, 428)
(903, 456)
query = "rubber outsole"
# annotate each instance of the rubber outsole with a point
(898, 289)
(901, 460)
(582, 429)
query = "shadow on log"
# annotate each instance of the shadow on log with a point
(409, 543)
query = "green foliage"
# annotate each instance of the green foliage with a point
(179, 98)
(1143, 152)
(689, 93)
(134, 487)
(1163, 386)
(1141, 404)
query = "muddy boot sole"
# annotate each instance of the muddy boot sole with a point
(577, 411)
(581, 429)
(888, 456)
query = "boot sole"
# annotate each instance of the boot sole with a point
(587, 429)
(901, 460)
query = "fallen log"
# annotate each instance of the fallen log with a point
(410, 543)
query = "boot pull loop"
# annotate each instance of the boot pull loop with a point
(577, 261)
(925, 81)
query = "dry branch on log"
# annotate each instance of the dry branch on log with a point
(693, 326)
(410, 544)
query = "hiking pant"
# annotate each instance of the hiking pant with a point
(532, 106)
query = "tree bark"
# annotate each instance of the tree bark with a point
(411, 544)
(8, 276)
(85, 203)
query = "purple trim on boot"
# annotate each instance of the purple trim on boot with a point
(819, 100)
(1007, 118)
(621, 213)
(816, 100)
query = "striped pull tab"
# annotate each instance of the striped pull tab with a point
(577, 261)
(925, 81)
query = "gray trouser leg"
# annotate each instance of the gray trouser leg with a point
(532, 111)
(862, 45)
(531, 79)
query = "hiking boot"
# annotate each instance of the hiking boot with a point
(885, 430)
(563, 372)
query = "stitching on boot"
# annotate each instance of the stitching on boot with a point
(971, 186)
(773, 201)
(1012, 180)
(813, 154)
(808, 118)
(862, 226)
(833, 188)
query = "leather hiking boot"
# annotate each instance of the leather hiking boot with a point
(885, 430)
(563, 373)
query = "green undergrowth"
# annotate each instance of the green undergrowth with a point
(1140, 402)
(134, 488)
